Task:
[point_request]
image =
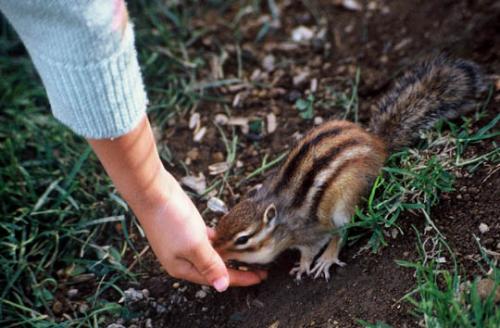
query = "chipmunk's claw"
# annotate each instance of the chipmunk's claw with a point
(323, 267)
(299, 269)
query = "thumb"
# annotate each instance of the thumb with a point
(211, 266)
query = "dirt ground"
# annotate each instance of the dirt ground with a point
(382, 39)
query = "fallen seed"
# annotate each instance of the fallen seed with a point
(216, 205)
(271, 123)
(218, 168)
(221, 119)
(198, 136)
(198, 184)
(194, 120)
(351, 5)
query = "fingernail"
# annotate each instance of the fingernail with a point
(221, 284)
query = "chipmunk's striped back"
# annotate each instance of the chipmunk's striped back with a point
(319, 170)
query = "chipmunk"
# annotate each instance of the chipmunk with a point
(328, 172)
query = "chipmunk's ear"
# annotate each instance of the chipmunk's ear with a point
(270, 214)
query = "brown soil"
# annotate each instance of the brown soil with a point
(381, 42)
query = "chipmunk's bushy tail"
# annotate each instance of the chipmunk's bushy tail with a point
(434, 89)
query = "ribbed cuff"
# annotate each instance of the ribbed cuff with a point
(99, 100)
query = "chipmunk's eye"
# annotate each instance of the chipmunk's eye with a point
(242, 240)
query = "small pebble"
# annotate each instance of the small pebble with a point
(160, 308)
(57, 307)
(83, 308)
(176, 285)
(133, 295)
(483, 228)
(149, 323)
(302, 33)
(201, 294)
(441, 260)
(485, 288)
(268, 63)
(72, 292)
(318, 120)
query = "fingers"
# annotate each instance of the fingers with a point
(246, 278)
(210, 265)
(210, 233)
(187, 271)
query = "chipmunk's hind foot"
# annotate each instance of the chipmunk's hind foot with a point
(307, 255)
(327, 259)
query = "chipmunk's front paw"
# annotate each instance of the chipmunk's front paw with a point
(299, 269)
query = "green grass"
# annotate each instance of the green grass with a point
(54, 198)
(59, 212)
(408, 183)
(413, 179)
(443, 298)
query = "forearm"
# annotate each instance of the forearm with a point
(84, 52)
(133, 163)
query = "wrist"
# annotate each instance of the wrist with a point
(155, 196)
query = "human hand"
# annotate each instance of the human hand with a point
(181, 242)
(173, 225)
